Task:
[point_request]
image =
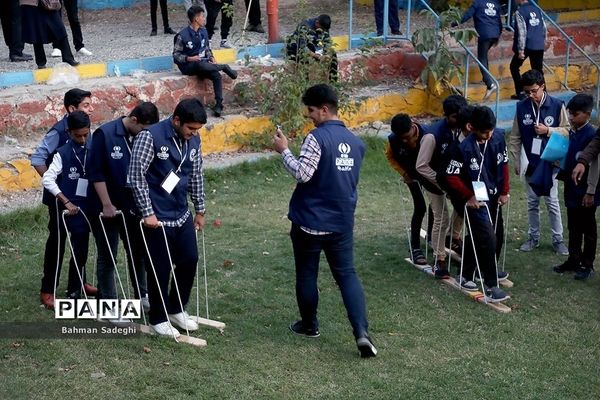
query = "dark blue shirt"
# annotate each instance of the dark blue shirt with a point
(189, 43)
(529, 23)
(578, 140)
(63, 137)
(486, 16)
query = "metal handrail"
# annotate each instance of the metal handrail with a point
(570, 42)
(468, 53)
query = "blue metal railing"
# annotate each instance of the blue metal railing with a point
(468, 54)
(386, 15)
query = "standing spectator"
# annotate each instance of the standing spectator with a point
(531, 130)
(585, 158)
(166, 166)
(164, 10)
(57, 136)
(322, 213)
(254, 17)
(582, 197)
(529, 41)
(188, 3)
(488, 24)
(393, 21)
(10, 17)
(193, 56)
(41, 26)
(72, 10)
(225, 7)
(109, 162)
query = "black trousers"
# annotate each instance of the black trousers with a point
(581, 222)
(420, 208)
(483, 48)
(70, 6)
(163, 10)
(212, 12)
(10, 17)
(206, 70)
(536, 59)
(62, 44)
(254, 16)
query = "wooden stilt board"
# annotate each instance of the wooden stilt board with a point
(194, 341)
(209, 322)
(457, 257)
(477, 296)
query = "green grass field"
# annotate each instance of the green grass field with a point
(433, 342)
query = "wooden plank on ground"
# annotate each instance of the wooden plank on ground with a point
(194, 341)
(208, 322)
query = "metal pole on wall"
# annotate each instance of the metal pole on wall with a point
(273, 20)
(351, 4)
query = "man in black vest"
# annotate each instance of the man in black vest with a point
(193, 56)
(322, 213)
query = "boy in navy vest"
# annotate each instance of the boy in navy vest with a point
(322, 213)
(57, 136)
(488, 24)
(530, 132)
(478, 179)
(431, 153)
(193, 56)
(66, 179)
(529, 41)
(166, 166)
(401, 152)
(583, 196)
(109, 162)
(585, 158)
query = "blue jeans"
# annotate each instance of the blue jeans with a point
(533, 213)
(338, 249)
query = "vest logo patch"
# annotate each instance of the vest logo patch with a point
(490, 11)
(533, 19)
(499, 158)
(344, 162)
(73, 174)
(527, 120)
(164, 153)
(474, 164)
(116, 154)
(549, 120)
(454, 167)
(193, 154)
(189, 45)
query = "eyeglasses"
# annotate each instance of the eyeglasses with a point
(532, 91)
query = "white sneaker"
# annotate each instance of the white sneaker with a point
(491, 90)
(85, 52)
(56, 53)
(165, 329)
(183, 320)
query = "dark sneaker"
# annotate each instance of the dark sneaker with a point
(567, 266)
(169, 31)
(560, 248)
(441, 270)
(153, 32)
(583, 273)
(530, 244)
(466, 284)
(299, 329)
(502, 275)
(255, 28)
(366, 347)
(495, 295)
(218, 110)
(230, 72)
(417, 257)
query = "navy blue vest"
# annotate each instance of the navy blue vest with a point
(486, 16)
(328, 200)
(73, 159)
(109, 162)
(443, 138)
(536, 34)
(167, 158)
(550, 113)
(495, 158)
(63, 137)
(194, 43)
(577, 142)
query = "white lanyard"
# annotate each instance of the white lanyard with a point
(84, 158)
(183, 155)
(537, 113)
(127, 144)
(482, 158)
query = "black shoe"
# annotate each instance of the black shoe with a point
(153, 32)
(441, 270)
(583, 273)
(299, 329)
(397, 33)
(366, 347)
(73, 63)
(218, 109)
(255, 28)
(41, 66)
(495, 295)
(230, 72)
(21, 57)
(567, 266)
(169, 31)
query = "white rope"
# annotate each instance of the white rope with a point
(205, 276)
(68, 237)
(133, 266)
(475, 253)
(407, 227)
(58, 266)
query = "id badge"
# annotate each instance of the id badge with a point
(82, 185)
(170, 182)
(536, 146)
(480, 191)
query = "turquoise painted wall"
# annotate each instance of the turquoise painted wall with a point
(100, 4)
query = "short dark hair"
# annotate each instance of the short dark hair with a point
(581, 102)
(146, 113)
(464, 115)
(193, 11)
(453, 103)
(532, 77)
(75, 96)
(324, 21)
(190, 110)
(401, 124)
(77, 120)
(320, 95)
(483, 118)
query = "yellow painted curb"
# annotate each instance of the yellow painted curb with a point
(91, 70)
(41, 75)
(225, 56)
(340, 43)
(578, 16)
